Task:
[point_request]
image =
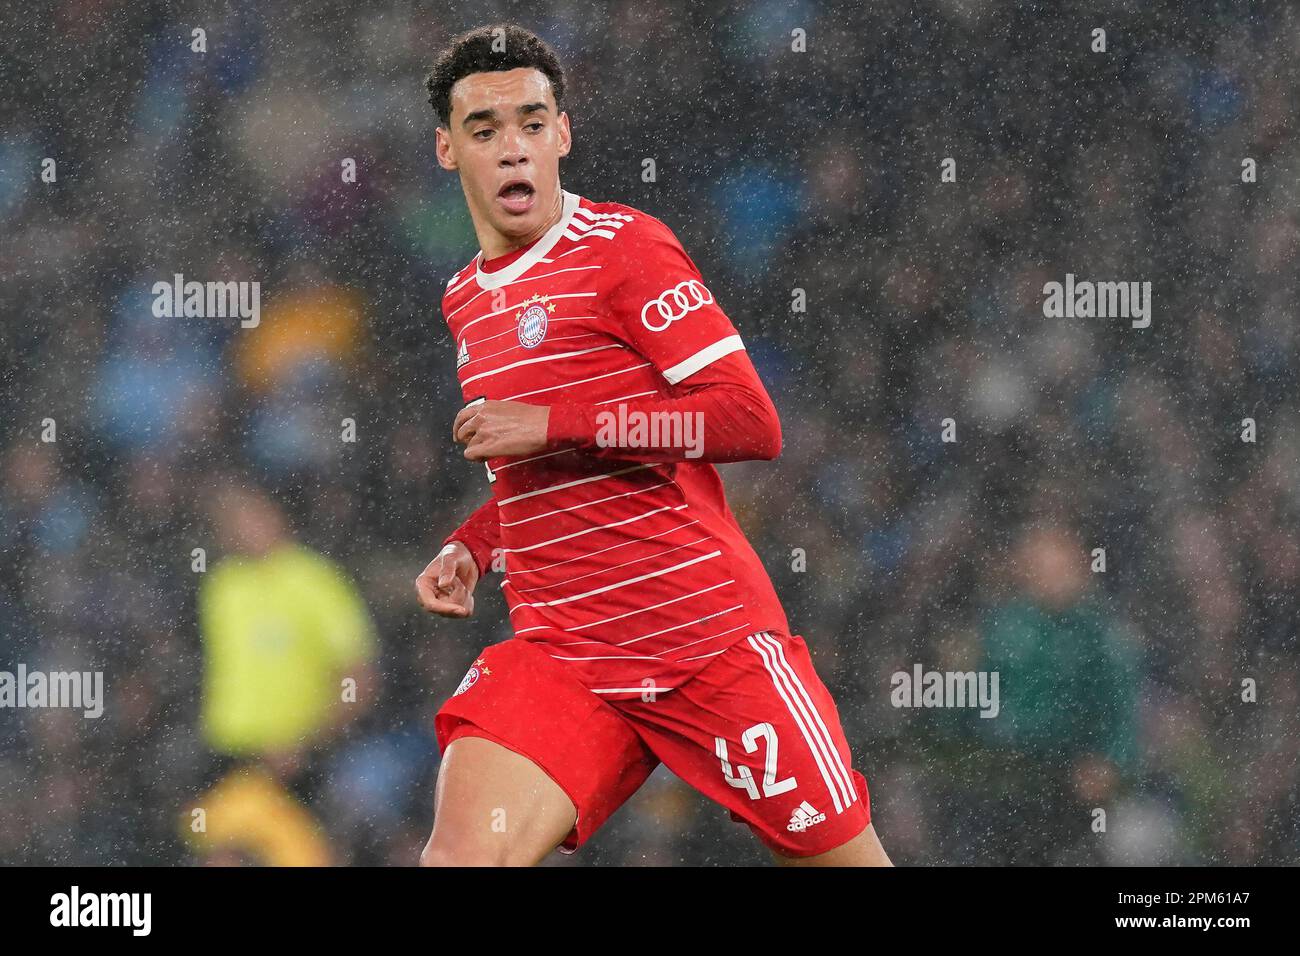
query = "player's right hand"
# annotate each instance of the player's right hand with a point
(446, 585)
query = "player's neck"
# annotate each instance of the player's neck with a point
(494, 244)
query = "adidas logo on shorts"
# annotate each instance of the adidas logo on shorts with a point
(805, 815)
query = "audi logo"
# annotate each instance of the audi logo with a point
(674, 303)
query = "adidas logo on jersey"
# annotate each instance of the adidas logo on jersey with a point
(462, 356)
(805, 815)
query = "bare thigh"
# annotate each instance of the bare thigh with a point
(493, 807)
(863, 850)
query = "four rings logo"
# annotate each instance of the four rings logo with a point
(674, 303)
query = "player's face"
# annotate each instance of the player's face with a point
(506, 138)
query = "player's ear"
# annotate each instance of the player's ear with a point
(443, 148)
(566, 136)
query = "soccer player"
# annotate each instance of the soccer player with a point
(602, 381)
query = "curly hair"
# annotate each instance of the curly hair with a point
(496, 47)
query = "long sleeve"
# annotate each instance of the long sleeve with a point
(725, 414)
(481, 534)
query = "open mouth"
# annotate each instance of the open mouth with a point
(517, 196)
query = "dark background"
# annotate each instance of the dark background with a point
(777, 170)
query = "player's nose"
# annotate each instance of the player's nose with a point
(516, 156)
(513, 149)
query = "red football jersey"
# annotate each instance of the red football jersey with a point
(634, 574)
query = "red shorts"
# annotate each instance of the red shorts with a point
(756, 731)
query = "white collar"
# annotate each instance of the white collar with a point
(536, 251)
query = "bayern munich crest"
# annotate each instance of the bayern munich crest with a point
(468, 681)
(532, 321)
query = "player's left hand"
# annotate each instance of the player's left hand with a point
(501, 429)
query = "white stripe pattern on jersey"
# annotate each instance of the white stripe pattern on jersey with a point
(450, 288)
(703, 656)
(568, 484)
(837, 764)
(585, 504)
(592, 530)
(533, 361)
(517, 347)
(678, 627)
(809, 722)
(652, 607)
(563, 254)
(705, 356)
(602, 224)
(621, 584)
(675, 627)
(624, 398)
(593, 216)
(589, 554)
(581, 381)
(578, 233)
(524, 461)
(513, 306)
(702, 640)
(648, 557)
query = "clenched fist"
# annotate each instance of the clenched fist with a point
(446, 585)
(499, 429)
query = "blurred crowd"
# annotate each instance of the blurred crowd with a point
(1150, 695)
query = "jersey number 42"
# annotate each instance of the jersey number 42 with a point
(745, 780)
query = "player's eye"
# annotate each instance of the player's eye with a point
(482, 133)
(533, 126)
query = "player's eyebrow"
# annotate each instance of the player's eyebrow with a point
(491, 114)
